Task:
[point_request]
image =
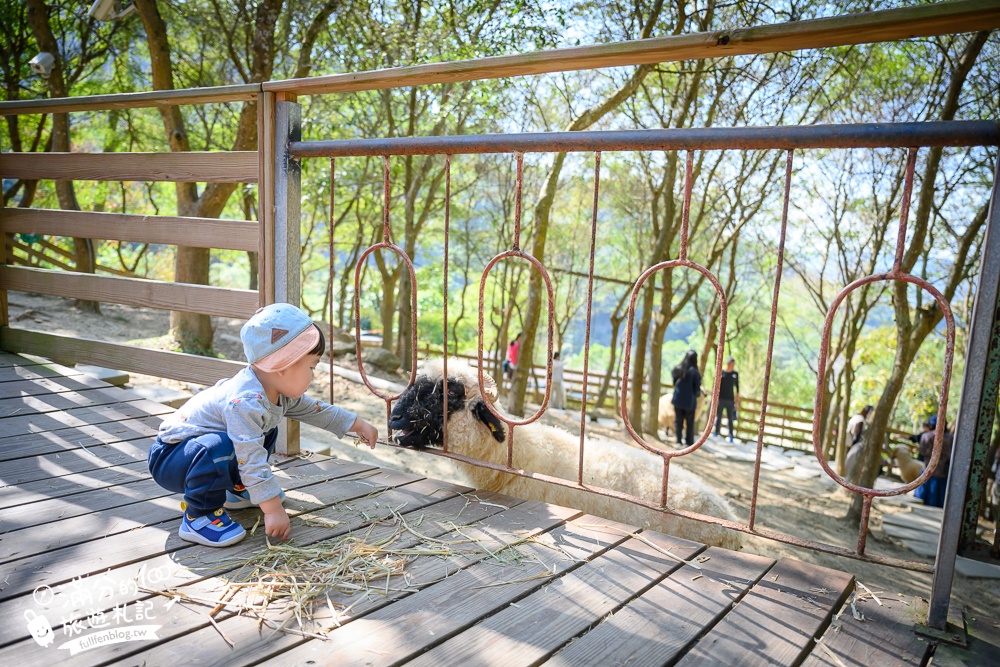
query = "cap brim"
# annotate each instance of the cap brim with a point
(297, 348)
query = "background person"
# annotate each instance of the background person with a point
(687, 388)
(558, 395)
(728, 398)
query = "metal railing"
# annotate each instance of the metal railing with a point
(279, 195)
(789, 139)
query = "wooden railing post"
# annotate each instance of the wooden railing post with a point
(280, 188)
(4, 319)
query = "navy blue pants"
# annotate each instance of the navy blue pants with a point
(203, 468)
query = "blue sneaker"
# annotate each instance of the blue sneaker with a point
(239, 499)
(212, 530)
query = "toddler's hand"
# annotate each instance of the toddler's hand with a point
(277, 525)
(365, 431)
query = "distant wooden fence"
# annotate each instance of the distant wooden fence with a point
(789, 426)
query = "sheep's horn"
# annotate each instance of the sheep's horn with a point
(490, 385)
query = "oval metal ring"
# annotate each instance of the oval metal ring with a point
(719, 351)
(945, 383)
(357, 313)
(548, 373)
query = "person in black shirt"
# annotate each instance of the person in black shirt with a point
(729, 394)
(687, 388)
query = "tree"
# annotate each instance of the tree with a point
(91, 45)
(543, 209)
(193, 332)
(913, 325)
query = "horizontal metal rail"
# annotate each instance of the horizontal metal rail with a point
(866, 135)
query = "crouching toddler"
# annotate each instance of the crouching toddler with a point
(215, 448)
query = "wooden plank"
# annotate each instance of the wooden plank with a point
(158, 549)
(35, 372)
(29, 530)
(885, 637)
(210, 569)
(518, 519)
(53, 385)
(8, 359)
(56, 523)
(548, 619)
(221, 301)
(659, 624)
(777, 621)
(429, 517)
(54, 465)
(163, 229)
(70, 484)
(87, 558)
(406, 628)
(51, 421)
(179, 167)
(245, 92)
(174, 365)
(11, 407)
(77, 440)
(983, 636)
(888, 25)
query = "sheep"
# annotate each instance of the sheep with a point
(909, 469)
(668, 418)
(474, 431)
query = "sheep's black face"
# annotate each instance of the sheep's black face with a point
(418, 416)
(419, 413)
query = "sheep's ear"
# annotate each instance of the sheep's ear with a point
(483, 414)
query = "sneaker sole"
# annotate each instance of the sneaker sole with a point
(189, 536)
(239, 505)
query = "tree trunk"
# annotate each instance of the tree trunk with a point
(515, 403)
(193, 332)
(83, 249)
(639, 345)
(909, 336)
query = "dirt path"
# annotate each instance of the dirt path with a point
(809, 509)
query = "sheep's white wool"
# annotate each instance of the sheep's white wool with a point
(909, 469)
(608, 464)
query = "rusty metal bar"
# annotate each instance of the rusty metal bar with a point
(590, 308)
(330, 257)
(386, 243)
(862, 135)
(904, 212)
(770, 339)
(686, 207)
(973, 388)
(720, 350)
(517, 253)
(447, 226)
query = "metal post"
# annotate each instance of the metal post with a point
(980, 328)
(287, 191)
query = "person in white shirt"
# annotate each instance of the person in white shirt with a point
(558, 395)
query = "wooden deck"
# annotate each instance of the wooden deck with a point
(85, 535)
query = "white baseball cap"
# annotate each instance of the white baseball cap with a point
(277, 336)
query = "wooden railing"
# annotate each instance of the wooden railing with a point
(239, 167)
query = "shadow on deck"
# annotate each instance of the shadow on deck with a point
(87, 539)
